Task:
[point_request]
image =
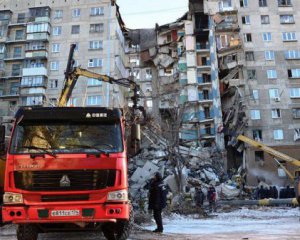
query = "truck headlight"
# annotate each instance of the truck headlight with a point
(12, 198)
(121, 195)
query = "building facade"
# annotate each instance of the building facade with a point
(267, 77)
(35, 42)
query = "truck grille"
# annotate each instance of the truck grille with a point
(70, 180)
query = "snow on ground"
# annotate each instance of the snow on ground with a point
(259, 221)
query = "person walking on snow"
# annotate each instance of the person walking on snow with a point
(157, 200)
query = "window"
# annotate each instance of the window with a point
(244, 3)
(95, 62)
(284, 3)
(96, 11)
(96, 44)
(294, 73)
(148, 74)
(287, 19)
(246, 19)
(292, 54)
(225, 5)
(32, 81)
(296, 112)
(276, 113)
(267, 37)
(262, 3)
(259, 156)
(289, 36)
(53, 83)
(58, 14)
(55, 47)
(21, 18)
(94, 100)
(269, 55)
(94, 82)
(255, 94)
(98, 27)
(20, 34)
(249, 56)
(54, 66)
(2, 48)
(75, 29)
(257, 135)
(272, 74)
(255, 114)
(32, 101)
(38, 27)
(278, 134)
(76, 13)
(294, 92)
(56, 31)
(72, 102)
(77, 46)
(136, 74)
(251, 74)
(17, 52)
(274, 93)
(265, 19)
(2, 30)
(247, 37)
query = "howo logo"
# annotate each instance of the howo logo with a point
(65, 181)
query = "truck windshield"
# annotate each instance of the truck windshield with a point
(85, 137)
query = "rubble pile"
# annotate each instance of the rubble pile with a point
(200, 166)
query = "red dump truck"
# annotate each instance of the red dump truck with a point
(66, 167)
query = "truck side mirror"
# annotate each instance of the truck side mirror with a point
(2, 138)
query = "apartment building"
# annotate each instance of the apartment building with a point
(268, 85)
(35, 38)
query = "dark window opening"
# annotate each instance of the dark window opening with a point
(259, 156)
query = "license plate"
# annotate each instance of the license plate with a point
(65, 213)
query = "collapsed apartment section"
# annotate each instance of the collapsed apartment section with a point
(229, 47)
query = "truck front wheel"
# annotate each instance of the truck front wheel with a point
(27, 232)
(120, 230)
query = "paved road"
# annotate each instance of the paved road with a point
(242, 224)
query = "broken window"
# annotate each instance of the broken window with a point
(205, 94)
(246, 19)
(251, 74)
(249, 56)
(207, 112)
(284, 3)
(259, 156)
(257, 135)
(244, 3)
(288, 18)
(278, 134)
(208, 129)
(274, 93)
(297, 134)
(255, 94)
(265, 19)
(247, 37)
(294, 73)
(296, 112)
(148, 74)
(206, 78)
(276, 113)
(262, 3)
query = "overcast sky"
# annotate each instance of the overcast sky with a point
(145, 13)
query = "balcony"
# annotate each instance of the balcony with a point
(38, 19)
(35, 71)
(17, 22)
(227, 26)
(204, 81)
(16, 39)
(43, 36)
(202, 47)
(33, 91)
(14, 57)
(11, 74)
(10, 94)
(36, 54)
(205, 97)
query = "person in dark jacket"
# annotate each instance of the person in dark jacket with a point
(157, 200)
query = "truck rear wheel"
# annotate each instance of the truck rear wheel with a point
(27, 232)
(120, 230)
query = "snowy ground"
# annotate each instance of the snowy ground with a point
(259, 224)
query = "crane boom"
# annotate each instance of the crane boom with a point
(271, 151)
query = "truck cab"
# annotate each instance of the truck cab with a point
(67, 168)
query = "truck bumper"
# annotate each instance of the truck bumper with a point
(72, 213)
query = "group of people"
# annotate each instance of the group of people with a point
(211, 197)
(272, 192)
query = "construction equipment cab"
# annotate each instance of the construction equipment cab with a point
(66, 169)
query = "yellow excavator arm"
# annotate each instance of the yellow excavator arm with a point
(274, 153)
